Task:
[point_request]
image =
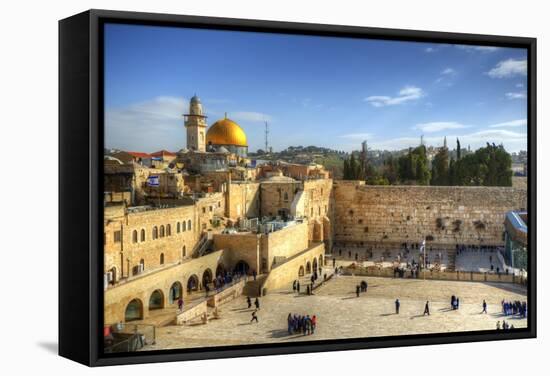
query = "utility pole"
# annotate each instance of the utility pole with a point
(266, 138)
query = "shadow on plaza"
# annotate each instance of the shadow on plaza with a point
(283, 333)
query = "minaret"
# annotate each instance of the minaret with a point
(195, 123)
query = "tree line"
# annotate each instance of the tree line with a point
(487, 166)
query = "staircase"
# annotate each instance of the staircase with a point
(202, 246)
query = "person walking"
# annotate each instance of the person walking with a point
(484, 307)
(289, 323)
(427, 308)
(294, 286)
(298, 287)
(357, 289)
(397, 305)
(257, 303)
(248, 301)
(254, 316)
(180, 303)
(313, 324)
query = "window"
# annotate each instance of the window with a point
(183, 226)
(168, 230)
(162, 258)
(118, 236)
(134, 236)
(285, 197)
(155, 232)
(178, 227)
(183, 251)
(319, 210)
(210, 208)
(189, 225)
(142, 235)
(161, 231)
(204, 210)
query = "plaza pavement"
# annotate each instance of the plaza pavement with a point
(341, 314)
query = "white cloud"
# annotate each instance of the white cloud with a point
(513, 123)
(518, 95)
(249, 116)
(509, 68)
(357, 136)
(438, 126)
(512, 141)
(429, 49)
(408, 93)
(448, 71)
(147, 126)
(477, 48)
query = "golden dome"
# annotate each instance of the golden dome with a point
(226, 132)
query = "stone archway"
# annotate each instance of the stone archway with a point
(242, 267)
(301, 271)
(134, 310)
(156, 300)
(308, 267)
(193, 283)
(206, 277)
(176, 292)
(220, 270)
(315, 266)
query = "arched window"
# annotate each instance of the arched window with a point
(189, 225)
(162, 258)
(161, 231)
(155, 232)
(285, 196)
(134, 236)
(142, 235)
(168, 230)
(178, 227)
(183, 251)
(183, 226)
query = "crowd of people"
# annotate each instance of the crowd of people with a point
(514, 308)
(298, 324)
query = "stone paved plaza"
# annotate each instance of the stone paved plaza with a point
(342, 315)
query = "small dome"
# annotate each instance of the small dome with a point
(195, 99)
(226, 132)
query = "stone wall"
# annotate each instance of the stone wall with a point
(141, 287)
(281, 276)
(443, 215)
(243, 200)
(128, 238)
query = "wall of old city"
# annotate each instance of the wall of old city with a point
(118, 297)
(448, 215)
(239, 247)
(284, 243)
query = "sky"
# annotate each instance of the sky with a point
(322, 91)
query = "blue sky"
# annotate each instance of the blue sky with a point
(324, 91)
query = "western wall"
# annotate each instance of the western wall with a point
(407, 214)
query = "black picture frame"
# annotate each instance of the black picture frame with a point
(81, 220)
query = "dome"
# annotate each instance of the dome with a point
(195, 99)
(226, 132)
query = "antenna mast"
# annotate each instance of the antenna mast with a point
(266, 137)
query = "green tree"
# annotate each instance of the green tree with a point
(440, 167)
